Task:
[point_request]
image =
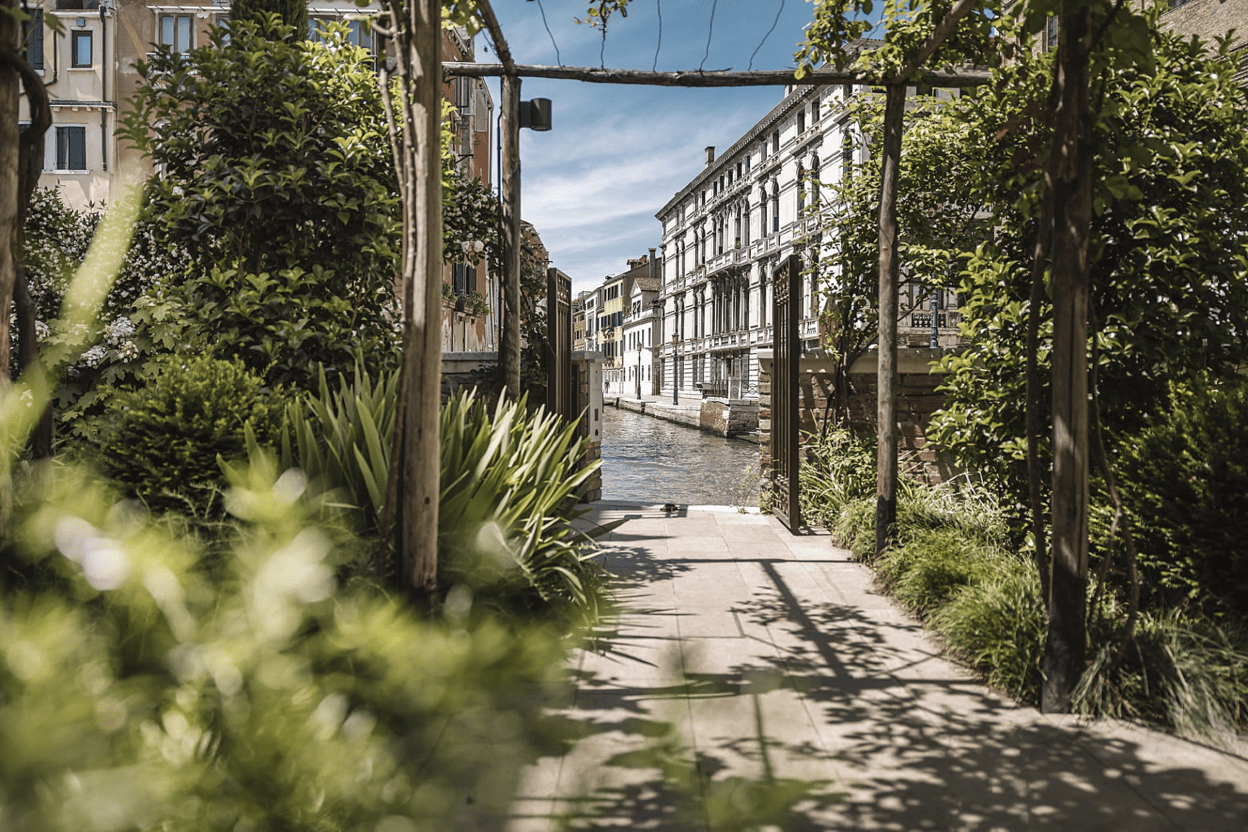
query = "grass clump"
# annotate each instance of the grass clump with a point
(837, 469)
(997, 625)
(1177, 670)
(926, 571)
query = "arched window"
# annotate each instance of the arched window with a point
(814, 179)
(762, 206)
(801, 189)
(775, 207)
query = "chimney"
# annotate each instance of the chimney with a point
(652, 263)
(710, 155)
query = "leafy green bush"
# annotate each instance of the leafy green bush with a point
(273, 154)
(998, 626)
(926, 570)
(1184, 479)
(278, 180)
(280, 324)
(162, 440)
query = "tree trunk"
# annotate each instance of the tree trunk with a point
(886, 413)
(510, 357)
(418, 155)
(30, 165)
(1070, 170)
(10, 175)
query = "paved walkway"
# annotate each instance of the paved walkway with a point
(731, 631)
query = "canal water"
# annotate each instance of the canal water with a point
(648, 460)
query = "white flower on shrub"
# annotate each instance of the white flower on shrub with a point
(42, 330)
(118, 331)
(94, 356)
(128, 351)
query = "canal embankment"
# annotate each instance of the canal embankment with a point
(728, 418)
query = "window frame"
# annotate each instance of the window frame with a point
(175, 17)
(32, 33)
(79, 130)
(76, 37)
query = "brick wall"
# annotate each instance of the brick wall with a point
(1207, 18)
(917, 400)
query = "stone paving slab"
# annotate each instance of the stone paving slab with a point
(741, 654)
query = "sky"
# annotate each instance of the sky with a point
(617, 154)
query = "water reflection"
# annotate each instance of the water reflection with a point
(648, 460)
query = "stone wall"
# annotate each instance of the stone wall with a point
(917, 400)
(729, 417)
(589, 400)
(471, 369)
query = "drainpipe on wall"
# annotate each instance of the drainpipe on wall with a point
(104, 85)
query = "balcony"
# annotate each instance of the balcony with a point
(923, 320)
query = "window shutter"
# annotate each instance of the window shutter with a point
(34, 39)
(77, 148)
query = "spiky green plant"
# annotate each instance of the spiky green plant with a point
(510, 481)
(342, 439)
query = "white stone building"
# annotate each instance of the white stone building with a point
(726, 232)
(641, 332)
(730, 228)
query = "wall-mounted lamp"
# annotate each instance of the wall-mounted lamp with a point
(535, 114)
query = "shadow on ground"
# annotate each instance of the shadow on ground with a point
(826, 709)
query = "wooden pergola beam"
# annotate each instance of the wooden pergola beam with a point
(694, 78)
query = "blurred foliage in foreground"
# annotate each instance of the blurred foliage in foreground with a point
(137, 691)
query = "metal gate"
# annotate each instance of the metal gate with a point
(785, 418)
(560, 394)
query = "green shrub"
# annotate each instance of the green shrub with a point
(280, 324)
(278, 181)
(1185, 482)
(926, 570)
(162, 440)
(998, 626)
(836, 470)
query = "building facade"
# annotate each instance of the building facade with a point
(613, 306)
(727, 232)
(642, 320)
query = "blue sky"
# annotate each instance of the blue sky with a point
(616, 154)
